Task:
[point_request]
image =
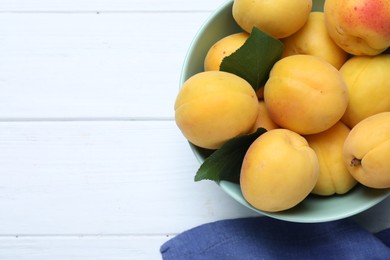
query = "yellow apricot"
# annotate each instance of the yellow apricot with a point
(263, 120)
(366, 151)
(276, 18)
(368, 85)
(334, 176)
(313, 39)
(223, 48)
(279, 170)
(215, 106)
(305, 94)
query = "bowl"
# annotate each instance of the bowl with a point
(314, 208)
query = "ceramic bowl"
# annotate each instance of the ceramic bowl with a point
(313, 208)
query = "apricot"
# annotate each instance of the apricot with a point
(366, 151)
(360, 27)
(305, 94)
(279, 19)
(263, 120)
(213, 107)
(279, 170)
(313, 39)
(334, 176)
(222, 48)
(368, 85)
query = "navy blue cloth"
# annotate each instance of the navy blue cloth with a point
(268, 238)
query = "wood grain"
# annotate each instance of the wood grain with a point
(103, 178)
(108, 6)
(92, 165)
(81, 247)
(93, 65)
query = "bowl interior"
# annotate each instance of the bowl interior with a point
(313, 208)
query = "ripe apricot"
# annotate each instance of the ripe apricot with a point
(366, 151)
(279, 171)
(360, 27)
(313, 39)
(334, 176)
(276, 18)
(305, 94)
(215, 106)
(263, 120)
(368, 85)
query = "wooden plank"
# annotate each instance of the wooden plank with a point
(93, 65)
(104, 5)
(103, 178)
(108, 178)
(81, 247)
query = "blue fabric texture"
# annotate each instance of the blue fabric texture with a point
(267, 238)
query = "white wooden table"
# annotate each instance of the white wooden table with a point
(92, 165)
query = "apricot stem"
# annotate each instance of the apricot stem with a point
(355, 162)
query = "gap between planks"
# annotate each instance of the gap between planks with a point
(87, 119)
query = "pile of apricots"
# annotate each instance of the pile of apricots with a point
(325, 105)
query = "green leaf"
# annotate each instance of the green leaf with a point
(254, 60)
(225, 163)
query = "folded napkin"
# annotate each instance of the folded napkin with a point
(267, 238)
